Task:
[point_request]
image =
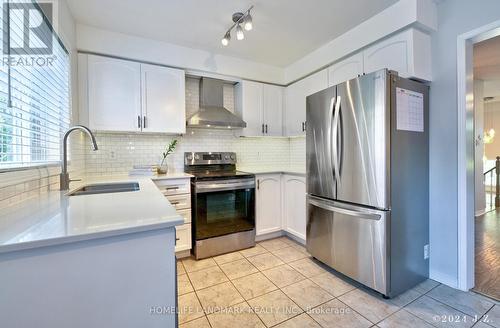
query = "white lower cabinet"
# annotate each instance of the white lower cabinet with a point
(268, 203)
(294, 205)
(178, 193)
(281, 204)
(183, 237)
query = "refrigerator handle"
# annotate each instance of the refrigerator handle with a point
(358, 213)
(335, 136)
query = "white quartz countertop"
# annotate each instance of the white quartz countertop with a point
(56, 218)
(271, 169)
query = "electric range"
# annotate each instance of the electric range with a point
(223, 203)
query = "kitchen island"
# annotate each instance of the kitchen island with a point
(99, 260)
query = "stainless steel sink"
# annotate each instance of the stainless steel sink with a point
(104, 188)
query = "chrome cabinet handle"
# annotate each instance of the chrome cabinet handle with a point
(262, 128)
(258, 183)
(303, 127)
(175, 203)
(266, 128)
(172, 188)
(138, 121)
(144, 121)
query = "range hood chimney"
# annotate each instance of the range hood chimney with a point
(212, 114)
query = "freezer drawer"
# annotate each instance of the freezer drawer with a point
(350, 239)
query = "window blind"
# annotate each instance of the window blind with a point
(34, 88)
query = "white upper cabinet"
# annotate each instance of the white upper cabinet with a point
(163, 101)
(114, 94)
(294, 205)
(408, 53)
(261, 107)
(268, 203)
(295, 107)
(129, 96)
(273, 110)
(249, 105)
(346, 69)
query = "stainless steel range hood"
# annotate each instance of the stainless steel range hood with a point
(212, 114)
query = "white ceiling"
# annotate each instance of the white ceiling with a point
(284, 30)
(487, 59)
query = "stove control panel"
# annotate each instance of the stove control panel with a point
(209, 158)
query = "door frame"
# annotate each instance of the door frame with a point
(465, 151)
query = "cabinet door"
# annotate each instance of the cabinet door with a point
(249, 105)
(294, 205)
(273, 110)
(114, 94)
(408, 53)
(183, 237)
(295, 109)
(268, 203)
(163, 99)
(345, 70)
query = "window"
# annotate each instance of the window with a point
(34, 87)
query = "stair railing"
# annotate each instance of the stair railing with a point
(494, 175)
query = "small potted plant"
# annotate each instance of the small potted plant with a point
(169, 149)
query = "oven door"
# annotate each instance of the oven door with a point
(223, 207)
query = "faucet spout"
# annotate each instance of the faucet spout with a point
(64, 179)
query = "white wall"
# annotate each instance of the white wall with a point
(454, 18)
(111, 43)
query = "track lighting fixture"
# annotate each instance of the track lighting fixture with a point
(239, 19)
(239, 33)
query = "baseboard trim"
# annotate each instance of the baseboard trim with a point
(443, 278)
(480, 212)
(296, 238)
(269, 235)
(280, 233)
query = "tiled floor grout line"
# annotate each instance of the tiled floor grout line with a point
(308, 256)
(244, 300)
(454, 307)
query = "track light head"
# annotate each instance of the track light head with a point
(248, 22)
(239, 33)
(226, 38)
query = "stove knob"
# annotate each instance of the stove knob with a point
(196, 157)
(226, 157)
(189, 157)
(233, 157)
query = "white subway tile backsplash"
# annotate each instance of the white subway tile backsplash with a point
(118, 152)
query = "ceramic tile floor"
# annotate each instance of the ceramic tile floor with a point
(278, 284)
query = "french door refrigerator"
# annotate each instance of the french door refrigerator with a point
(367, 180)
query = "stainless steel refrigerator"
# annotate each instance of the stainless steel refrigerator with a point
(368, 180)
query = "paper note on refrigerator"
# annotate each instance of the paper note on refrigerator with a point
(409, 110)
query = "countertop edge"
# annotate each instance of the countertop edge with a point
(173, 221)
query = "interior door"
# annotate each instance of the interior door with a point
(352, 240)
(319, 147)
(361, 140)
(163, 99)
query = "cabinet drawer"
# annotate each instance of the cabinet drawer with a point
(183, 237)
(180, 202)
(174, 186)
(186, 214)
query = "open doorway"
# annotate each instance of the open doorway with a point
(486, 88)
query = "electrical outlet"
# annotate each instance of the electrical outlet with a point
(426, 252)
(112, 155)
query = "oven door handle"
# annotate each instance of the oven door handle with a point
(204, 187)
